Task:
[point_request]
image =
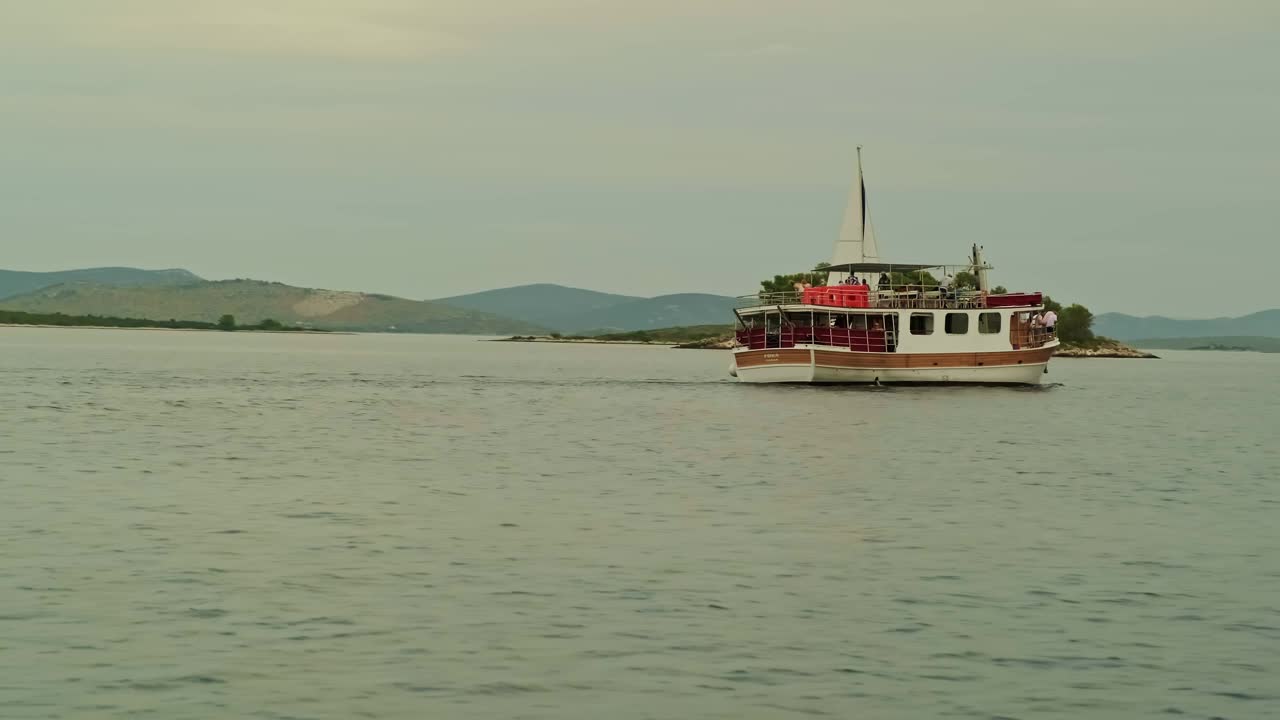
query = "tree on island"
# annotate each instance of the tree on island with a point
(1075, 322)
(787, 283)
(918, 277)
(227, 322)
(818, 277)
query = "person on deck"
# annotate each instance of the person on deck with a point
(1050, 321)
(944, 286)
(883, 283)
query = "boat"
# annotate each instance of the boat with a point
(876, 322)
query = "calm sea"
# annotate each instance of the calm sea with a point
(206, 525)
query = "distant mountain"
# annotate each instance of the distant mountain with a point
(1234, 342)
(252, 301)
(660, 312)
(18, 282)
(543, 304)
(1128, 327)
(574, 310)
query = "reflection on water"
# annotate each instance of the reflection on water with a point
(212, 525)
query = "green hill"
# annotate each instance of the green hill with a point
(1265, 323)
(18, 282)
(574, 310)
(691, 333)
(552, 306)
(665, 311)
(252, 301)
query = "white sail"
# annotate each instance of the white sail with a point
(857, 241)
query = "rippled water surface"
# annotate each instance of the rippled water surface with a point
(205, 525)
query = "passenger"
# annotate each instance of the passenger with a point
(876, 324)
(883, 283)
(1050, 321)
(944, 286)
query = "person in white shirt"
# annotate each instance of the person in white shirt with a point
(944, 287)
(1050, 321)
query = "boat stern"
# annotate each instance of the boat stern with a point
(778, 365)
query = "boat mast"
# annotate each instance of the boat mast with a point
(980, 268)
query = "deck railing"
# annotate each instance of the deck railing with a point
(1024, 335)
(899, 298)
(786, 337)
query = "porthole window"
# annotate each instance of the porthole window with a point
(921, 323)
(957, 323)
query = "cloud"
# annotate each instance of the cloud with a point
(343, 29)
(406, 30)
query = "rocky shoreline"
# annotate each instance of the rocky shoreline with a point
(711, 343)
(573, 341)
(1103, 348)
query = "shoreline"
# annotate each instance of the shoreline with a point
(1109, 349)
(575, 341)
(165, 329)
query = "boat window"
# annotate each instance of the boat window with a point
(921, 323)
(957, 323)
(858, 322)
(989, 323)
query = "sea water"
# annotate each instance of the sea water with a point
(218, 525)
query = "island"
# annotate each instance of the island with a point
(1226, 348)
(226, 323)
(1228, 343)
(1100, 347)
(683, 336)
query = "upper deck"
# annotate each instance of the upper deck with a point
(894, 286)
(899, 297)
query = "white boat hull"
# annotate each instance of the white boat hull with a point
(813, 365)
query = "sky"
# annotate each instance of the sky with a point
(1117, 153)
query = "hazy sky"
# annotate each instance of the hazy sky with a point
(1117, 152)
